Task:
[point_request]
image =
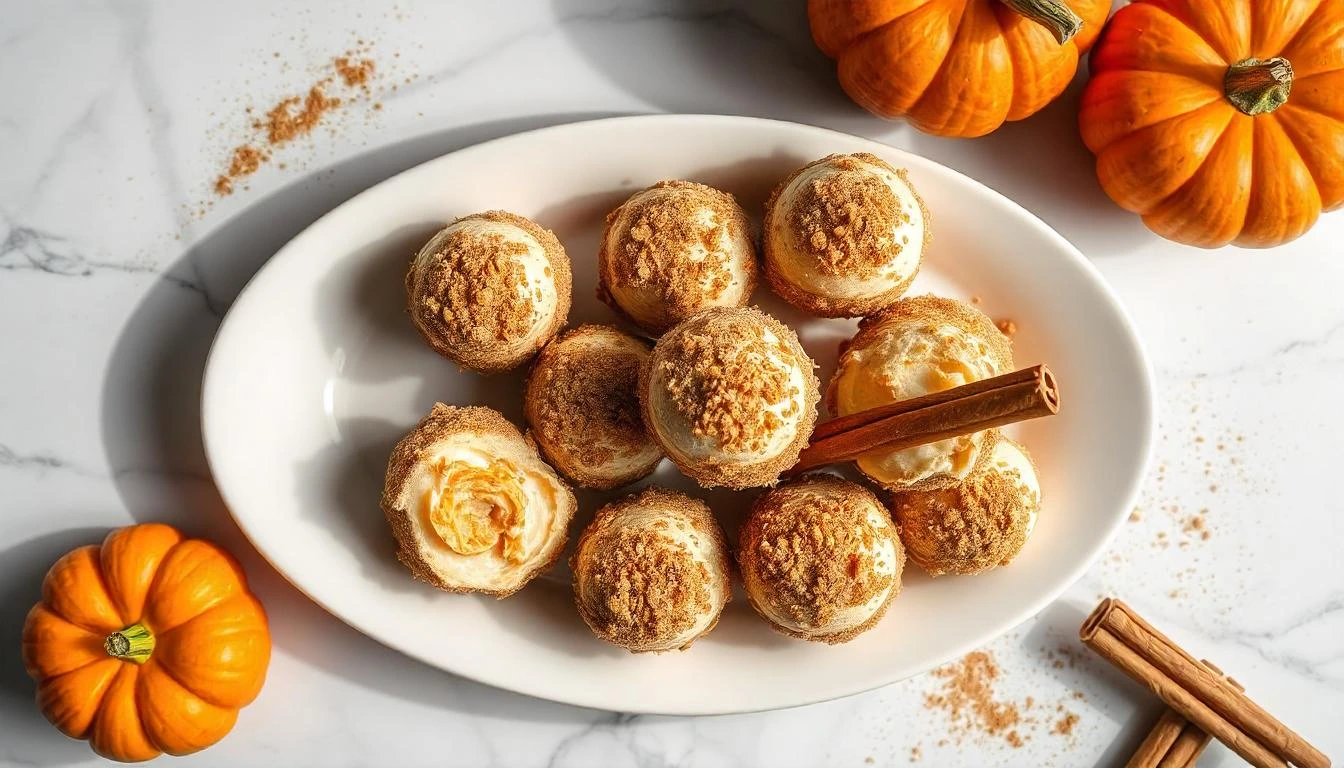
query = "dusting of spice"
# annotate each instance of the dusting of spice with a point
(1064, 726)
(967, 696)
(355, 72)
(295, 116)
(245, 162)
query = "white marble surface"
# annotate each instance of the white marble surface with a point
(116, 116)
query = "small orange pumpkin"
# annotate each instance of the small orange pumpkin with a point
(148, 643)
(955, 67)
(1220, 121)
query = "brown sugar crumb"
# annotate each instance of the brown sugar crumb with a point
(846, 219)
(721, 379)
(916, 754)
(967, 696)
(467, 290)
(1007, 328)
(1135, 516)
(976, 299)
(355, 72)
(811, 546)
(1064, 726)
(660, 228)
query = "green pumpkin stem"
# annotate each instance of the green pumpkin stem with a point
(134, 643)
(1259, 87)
(1054, 15)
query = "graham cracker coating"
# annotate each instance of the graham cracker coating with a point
(464, 299)
(583, 408)
(808, 545)
(651, 254)
(638, 587)
(716, 377)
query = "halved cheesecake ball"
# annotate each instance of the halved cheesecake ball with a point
(731, 397)
(471, 504)
(582, 404)
(916, 346)
(672, 250)
(844, 236)
(820, 558)
(651, 572)
(978, 524)
(489, 290)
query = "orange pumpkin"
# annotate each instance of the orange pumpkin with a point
(1220, 121)
(955, 67)
(149, 643)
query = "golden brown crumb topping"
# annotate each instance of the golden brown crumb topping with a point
(845, 219)
(468, 289)
(582, 396)
(660, 231)
(968, 528)
(724, 373)
(811, 545)
(636, 585)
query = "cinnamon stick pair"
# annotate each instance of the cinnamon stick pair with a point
(1174, 742)
(1196, 691)
(985, 404)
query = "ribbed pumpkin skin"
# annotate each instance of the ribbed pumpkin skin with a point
(212, 644)
(1171, 147)
(950, 67)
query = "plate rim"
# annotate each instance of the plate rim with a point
(1146, 431)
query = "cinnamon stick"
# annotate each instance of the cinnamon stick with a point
(1200, 695)
(1174, 742)
(1159, 740)
(1026, 394)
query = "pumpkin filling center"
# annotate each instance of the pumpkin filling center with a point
(475, 509)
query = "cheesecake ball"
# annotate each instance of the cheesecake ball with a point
(672, 250)
(651, 572)
(731, 397)
(582, 404)
(472, 506)
(820, 558)
(914, 347)
(844, 236)
(489, 290)
(981, 523)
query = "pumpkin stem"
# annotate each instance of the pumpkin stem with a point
(134, 643)
(1259, 87)
(1054, 15)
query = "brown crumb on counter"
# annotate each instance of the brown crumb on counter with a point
(1007, 327)
(1064, 726)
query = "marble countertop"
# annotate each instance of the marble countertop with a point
(117, 261)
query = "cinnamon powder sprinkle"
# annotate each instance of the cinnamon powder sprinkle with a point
(293, 117)
(967, 696)
(355, 72)
(245, 162)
